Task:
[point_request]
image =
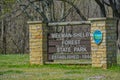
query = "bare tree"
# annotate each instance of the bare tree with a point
(115, 6)
(13, 22)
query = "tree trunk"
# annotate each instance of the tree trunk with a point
(3, 37)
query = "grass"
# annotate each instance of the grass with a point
(17, 67)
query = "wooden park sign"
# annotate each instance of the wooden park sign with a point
(94, 39)
(74, 43)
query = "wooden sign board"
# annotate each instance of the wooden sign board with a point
(71, 43)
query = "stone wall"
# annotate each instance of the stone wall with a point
(104, 54)
(37, 42)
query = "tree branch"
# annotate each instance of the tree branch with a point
(76, 8)
(24, 9)
(38, 10)
(102, 7)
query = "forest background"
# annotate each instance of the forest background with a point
(14, 14)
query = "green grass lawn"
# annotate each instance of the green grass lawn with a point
(17, 67)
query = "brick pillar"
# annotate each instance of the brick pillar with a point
(104, 54)
(37, 42)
